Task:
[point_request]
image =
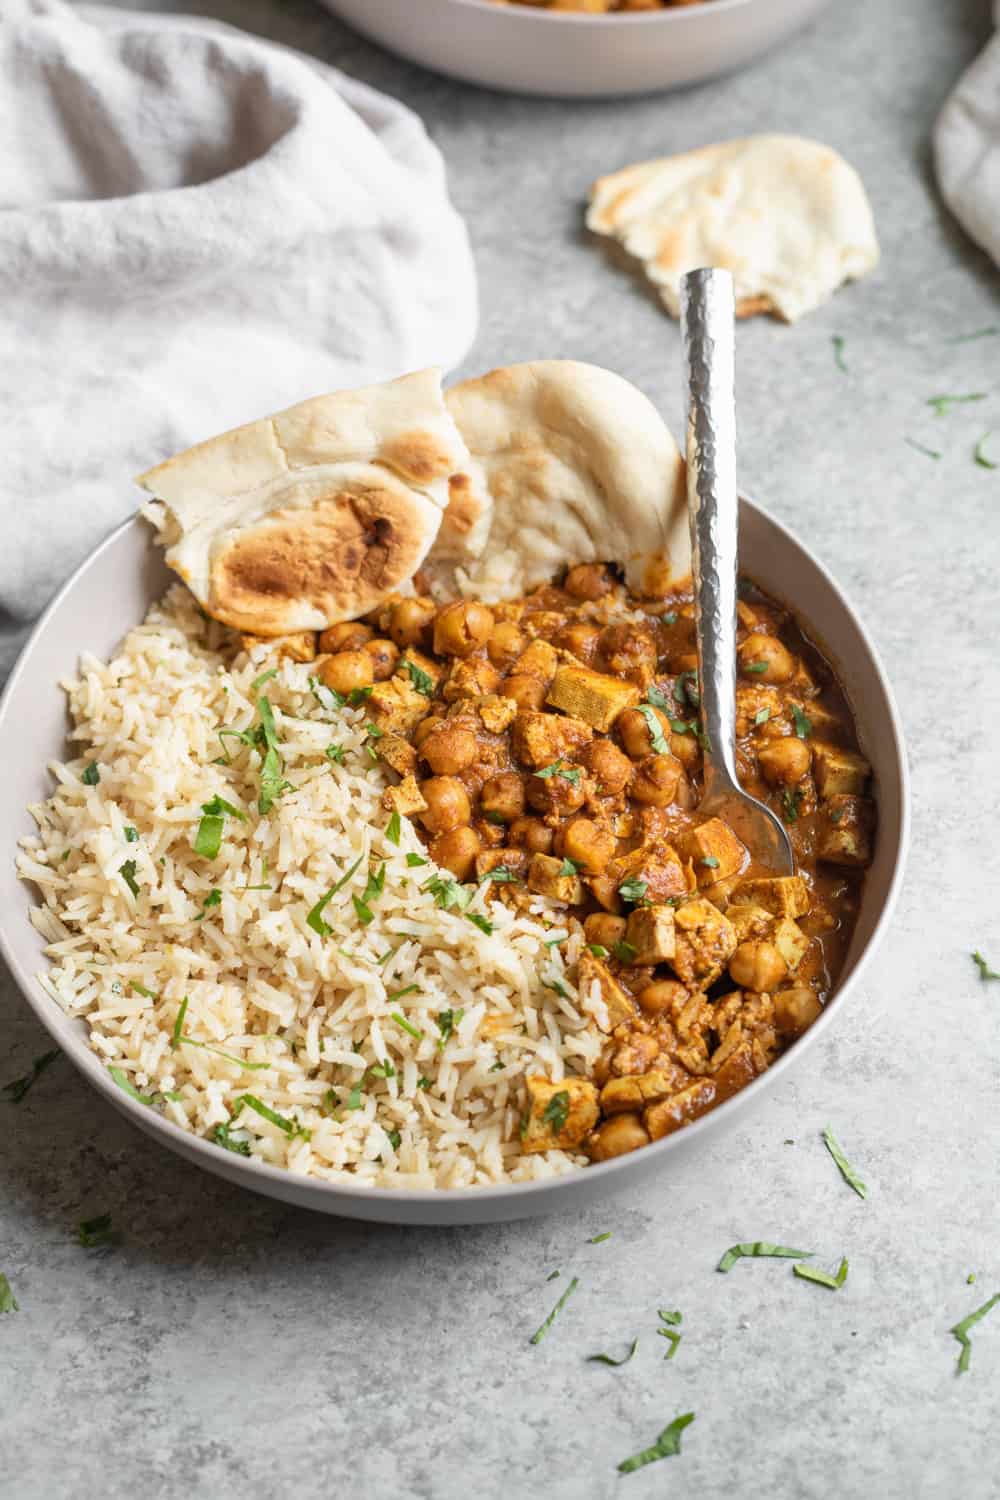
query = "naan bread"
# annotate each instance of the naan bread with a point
(788, 217)
(312, 516)
(579, 467)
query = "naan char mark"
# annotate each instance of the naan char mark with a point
(789, 217)
(314, 515)
(579, 467)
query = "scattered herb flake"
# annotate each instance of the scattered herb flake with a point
(985, 972)
(394, 829)
(559, 768)
(568, 867)
(141, 989)
(422, 681)
(980, 333)
(673, 1339)
(667, 1445)
(790, 798)
(408, 1026)
(803, 724)
(657, 697)
(605, 1359)
(222, 1136)
(315, 916)
(539, 1334)
(633, 890)
(670, 618)
(363, 911)
(961, 1331)
(131, 834)
(980, 453)
(483, 923)
(8, 1302)
(656, 736)
(447, 1020)
(597, 949)
(598, 1239)
(127, 873)
(446, 891)
(669, 1316)
(178, 1031)
(395, 1139)
(755, 1249)
(556, 1112)
(686, 688)
(822, 1278)
(556, 939)
(920, 447)
(251, 1067)
(15, 1091)
(710, 862)
(327, 698)
(336, 753)
(624, 952)
(214, 898)
(259, 682)
(941, 405)
(838, 352)
(127, 1086)
(762, 715)
(500, 875)
(552, 1276)
(92, 1233)
(424, 1083)
(415, 860)
(755, 666)
(848, 1172)
(282, 1122)
(91, 775)
(354, 1097)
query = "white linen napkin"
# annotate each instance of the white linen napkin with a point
(196, 228)
(967, 147)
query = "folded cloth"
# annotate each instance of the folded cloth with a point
(967, 147)
(196, 228)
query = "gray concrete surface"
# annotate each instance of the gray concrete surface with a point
(231, 1347)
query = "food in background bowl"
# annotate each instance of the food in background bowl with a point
(420, 900)
(601, 7)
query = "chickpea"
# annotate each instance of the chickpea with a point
(349, 636)
(462, 628)
(795, 1010)
(633, 730)
(448, 804)
(580, 639)
(347, 670)
(410, 620)
(384, 655)
(757, 966)
(656, 780)
(449, 749)
(425, 728)
(587, 844)
(603, 929)
(502, 798)
(611, 770)
(456, 850)
(554, 794)
(685, 748)
(778, 661)
(527, 692)
(475, 678)
(618, 1136)
(629, 651)
(588, 581)
(784, 761)
(505, 644)
(531, 834)
(662, 996)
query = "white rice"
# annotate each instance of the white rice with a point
(310, 1013)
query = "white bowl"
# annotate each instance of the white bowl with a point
(112, 591)
(569, 55)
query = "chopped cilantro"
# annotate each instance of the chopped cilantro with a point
(822, 1278)
(15, 1091)
(422, 681)
(942, 404)
(178, 1031)
(447, 1020)
(656, 737)
(354, 1097)
(127, 873)
(598, 1239)
(670, 618)
(131, 834)
(838, 352)
(315, 917)
(140, 989)
(605, 1359)
(624, 952)
(686, 688)
(259, 682)
(327, 698)
(382, 1070)
(8, 1302)
(790, 798)
(569, 867)
(93, 1233)
(408, 1026)
(214, 898)
(90, 775)
(710, 862)
(251, 1067)
(762, 715)
(980, 453)
(556, 938)
(336, 753)
(667, 1445)
(633, 890)
(980, 333)
(424, 1083)
(927, 452)
(755, 666)
(657, 697)
(597, 949)
(757, 1248)
(446, 891)
(848, 1173)
(559, 768)
(394, 829)
(222, 1136)
(395, 1139)
(500, 875)
(803, 724)
(283, 1123)
(127, 1086)
(483, 923)
(556, 1112)
(415, 860)
(539, 1334)
(985, 972)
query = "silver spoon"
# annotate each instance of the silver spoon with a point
(707, 325)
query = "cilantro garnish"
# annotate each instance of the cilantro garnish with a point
(598, 1239)
(93, 1233)
(762, 715)
(556, 1112)
(569, 867)
(176, 1034)
(942, 404)
(633, 890)
(500, 875)
(127, 1086)
(985, 972)
(605, 1359)
(670, 618)
(127, 873)
(755, 666)
(214, 898)
(980, 333)
(667, 1445)
(222, 1136)
(657, 697)
(315, 917)
(961, 1331)
(838, 352)
(259, 682)
(757, 1248)
(424, 1083)
(90, 775)
(15, 1091)
(848, 1173)
(710, 862)
(483, 923)
(415, 860)
(927, 452)
(559, 768)
(408, 1026)
(422, 681)
(790, 798)
(251, 1067)
(131, 834)
(8, 1302)
(354, 1097)
(288, 1126)
(597, 949)
(394, 829)
(326, 697)
(624, 952)
(395, 1139)
(822, 1278)
(208, 840)
(980, 453)
(446, 891)
(686, 688)
(656, 736)
(668, 1330)
(803, 724)
(447, 1020)
(336, 753)
(539, 1334)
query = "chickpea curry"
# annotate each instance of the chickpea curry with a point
(551, 745)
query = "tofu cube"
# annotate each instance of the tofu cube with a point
(300, 646)
(560, 1115)
(715, 851)
(545, 878)
(790, 941)
(704, 942)
(846, 826)
(396, 707)
(656, 866)
(397, 753)
(636, 1090)
(591, 971)
(750, 923)
(839, 773)
(592, 696)
(650, 931)
(679, 1109)
(496, 714)
(538, 660)
(781, 895)
(538, 739)
(515, 860)
(406, 798)
(751, 700)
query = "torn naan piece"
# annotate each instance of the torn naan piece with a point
(788, 217)
(312, 516)
(579, 467)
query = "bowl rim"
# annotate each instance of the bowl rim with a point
(672, 16)
(251, 1173)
